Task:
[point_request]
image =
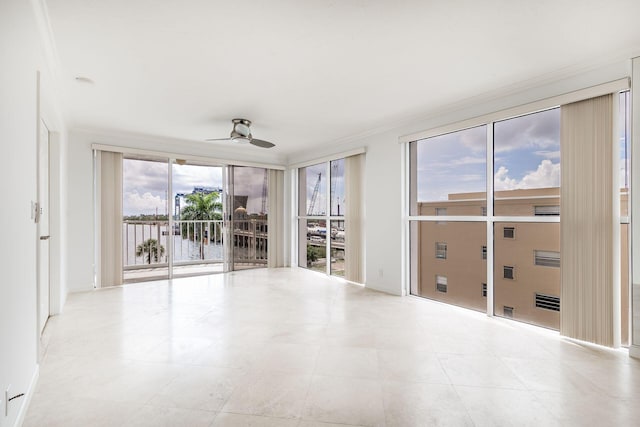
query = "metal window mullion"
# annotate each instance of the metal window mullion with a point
(490, 219)
(327, 218)
(170, 237)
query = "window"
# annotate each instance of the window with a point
(547, 302)
(509, 232)
(447, 177)
(321, 221)
(546, 210)
(547, 258)
(526, 162)
(450, 168)
(441, 250)
(508, 272)
(441, 284)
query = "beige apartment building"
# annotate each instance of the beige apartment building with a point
(451, 256)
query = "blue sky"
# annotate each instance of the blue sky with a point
(527, 155)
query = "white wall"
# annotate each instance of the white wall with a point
(80, 247)
(22, 56)
(384, 214)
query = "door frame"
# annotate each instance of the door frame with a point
(38, 217)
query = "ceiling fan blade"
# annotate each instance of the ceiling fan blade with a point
(218, 139)
(261, 143)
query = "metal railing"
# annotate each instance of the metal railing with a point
(249, 241)
(146, 243)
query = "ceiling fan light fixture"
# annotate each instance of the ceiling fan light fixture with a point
(240, 139)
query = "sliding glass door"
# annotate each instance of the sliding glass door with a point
(183, 218)
(145, 219)
(197, 216)
(247, 214)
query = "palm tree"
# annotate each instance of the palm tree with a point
(200, 206)
(152, 249)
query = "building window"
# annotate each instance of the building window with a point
(508, 272)
(484, 290)
(441, 250)
(547, 302)
(507, 311)
(546, 210)
(547, 258)
(441, 211)
(484, 211)
(509, 232)
(484, 252)
(441, 284)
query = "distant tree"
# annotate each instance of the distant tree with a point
(200, 206)
(312, 254)
(152, 249)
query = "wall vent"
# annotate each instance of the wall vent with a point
(547, 302)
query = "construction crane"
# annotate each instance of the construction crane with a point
(334, 184)
(314, 197)
(264, 193)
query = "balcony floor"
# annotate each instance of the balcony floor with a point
(290, 347)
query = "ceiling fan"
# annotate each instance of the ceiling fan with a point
(241, 134)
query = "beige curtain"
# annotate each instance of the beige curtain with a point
(275, 221)
(587, 221)
(354, 218)
(110, 214)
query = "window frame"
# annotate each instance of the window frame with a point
(327, 217)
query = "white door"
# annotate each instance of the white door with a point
(43, 226)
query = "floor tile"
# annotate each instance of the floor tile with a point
(485, 371)
(272, 395)
(348, 362)
(353, 401)
(502, 407)
(413, 404)
(199, 387)
(237, 420)
(158, 416)
(287, 347)
(411, 366)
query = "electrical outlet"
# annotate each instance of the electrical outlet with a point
(380, 273)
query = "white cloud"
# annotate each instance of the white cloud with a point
(546, 175)
(548, 154)
(144, 204)
(502, 180)
(468, 160)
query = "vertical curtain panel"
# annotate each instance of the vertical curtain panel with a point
(587, 221)
(110, 214)
(275, 220)
(354, 218)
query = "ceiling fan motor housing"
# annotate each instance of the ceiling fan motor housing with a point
(241, 129)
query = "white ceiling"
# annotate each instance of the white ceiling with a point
(315, 71)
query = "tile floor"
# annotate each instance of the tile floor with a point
(289, 347)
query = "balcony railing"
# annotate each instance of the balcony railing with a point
(195, 242)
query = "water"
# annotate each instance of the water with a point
(185, 249)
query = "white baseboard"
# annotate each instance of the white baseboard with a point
(634, 351)
(28, 396)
